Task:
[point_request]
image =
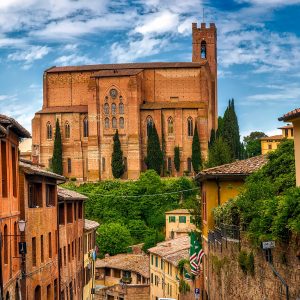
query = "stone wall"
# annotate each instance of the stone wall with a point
(226, 280)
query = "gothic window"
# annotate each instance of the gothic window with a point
(106, 98)
(106, 123)
(113, 108)
(106, 108)
(170, 165)
(67, 130)
(149, 124)
(190, 126)
(49, 131)
(170, 126)
(121, 108)
(121, 99)
(114, 123)
(69, 165)
(203, 49)
(85, 127)
(189, 164)
(121, 122)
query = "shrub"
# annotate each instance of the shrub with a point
(243, 261)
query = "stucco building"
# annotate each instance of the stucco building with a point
(91, 102)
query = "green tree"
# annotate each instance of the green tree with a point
(252, 143)
(219, 131)
(219, 154)
(152, 238)
(154, 159)
(137, 230)
(212, 138)
(57, 166)
(117, 163)
(177, 158)
(196, 152)
(113, 238)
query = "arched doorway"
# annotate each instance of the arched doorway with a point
(17, 292)
(38, 293)
(7, 296)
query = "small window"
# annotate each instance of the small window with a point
(182, 219)
(170, 126)
(121, 122)
(67, 130)
(14, 170)
(156, 261)
(85, 127)
(189, 165)
(69, 165)
(5, 244)
(33, 245)
(15, 239)
(50, 195)
(114, 123)
(172, 219)
(106, 123)
(35, 197)
(190, 126)
(4, 169)
(49, 131)
(203, 50)
(61, 213)
(69, 212)
(292, 132)
(106, 108)
(270, 146)
(113, 109)
(50, 244)
(286, 132)
(103, 164)
(149, 124)
(107, 271)
(152, 257)
(121, 108)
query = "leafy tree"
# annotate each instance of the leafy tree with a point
(252, 143)
(152, 238)
(117, 163)
(196, 152)
(137, 230)
(177, 158)
(219, 154)
(113, 238)
(57, 166)
(154, 158)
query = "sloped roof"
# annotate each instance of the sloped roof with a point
(138, 263)
(272, 137)
(6, 121)
(149, 65)
(288, 126)
(178, 211)
(290, 115)
(65, 194)
(89, 224)
(171, 105)
(117, 73)
(64, 109)
(239, 168)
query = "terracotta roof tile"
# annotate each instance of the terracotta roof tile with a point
(238, 168)
(290, 115)
(149, 65)
(178, 211)
(64, 109)
(89, 224)
(288, 126)
(117, 73)
(65, 194)
(14, 125)
(179, 104)
(138, 263)
(272, 137)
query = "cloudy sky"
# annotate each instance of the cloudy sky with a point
(258, 48)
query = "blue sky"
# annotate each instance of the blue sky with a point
(258, 48)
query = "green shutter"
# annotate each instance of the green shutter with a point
(172, 219)
(182, 219)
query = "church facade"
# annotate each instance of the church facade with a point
(91, 102)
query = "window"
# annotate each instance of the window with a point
(80, 212)
(121, 108)
(5, 244)
(69, 252)
(106, 108)
(151, 277)
(170, 126)
(103, 164)
(152, 257)
(73, 250)
(107, 271)
(33, 245)
(121, 122)
(125, 164)
(4, 169)
(203, 50)
(204, 206)
(49, 292)
(69, 212)
(190, 126)
(67, 130)
(182, 219)
(113, 108)
(106, 123)
(292, 132)
(42, 248)
(189, 165)
(14, 170)
(60, 258)
(50, 195)
(35, 198)
(71, 290)
(270, 146)
(65, 256)
(61, 214)
(286, 133)
(156, 261)
(114, 123)
(117, 273)
(162, 264)
(38, 293)
(69, 165)
(172, 219)
(50, 244)
(170, 165)
(149, 124)
(85, 127)
(55, 289)
(49, 131)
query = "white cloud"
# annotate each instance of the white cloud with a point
(73, 59)
(270, 2)
(29, 55)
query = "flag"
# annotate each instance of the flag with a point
(196, 254)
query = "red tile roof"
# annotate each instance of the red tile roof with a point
(6, 121)
(288, 126)
(89, 225)
(171, 105)
(65, 194)
(150, 65)
(290, 115)
(64, 109)
(117, 73)
(272, 137)
(240, 168)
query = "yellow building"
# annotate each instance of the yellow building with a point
(294, 117)
(164, 259)
(271, 143)
(90, 228)
(179, 222)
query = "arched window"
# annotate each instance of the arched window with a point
(121, 122)
(106, 123)
(114, 122)
(37, 293)
(113, 108)
(203, 49)
(49, 131)
(106, 108)
(170, 126)
(190, 126)
(149, 124)
(121, 108)
(67, 130)
(85, 127)
(189, 164)
(5, 244)
(121, 99)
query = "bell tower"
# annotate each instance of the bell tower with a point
(205, 45)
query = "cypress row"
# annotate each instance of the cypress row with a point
(57, 166)
(196, 152)
(117, 163)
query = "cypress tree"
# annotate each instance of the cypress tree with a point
(57, 166)
(154, 159)
(196, 152)
(177, 158)
(212, 138)
(117, 163)
(219, 154)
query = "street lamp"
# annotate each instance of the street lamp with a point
(22, 225)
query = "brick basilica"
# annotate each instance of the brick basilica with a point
(92, 101)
